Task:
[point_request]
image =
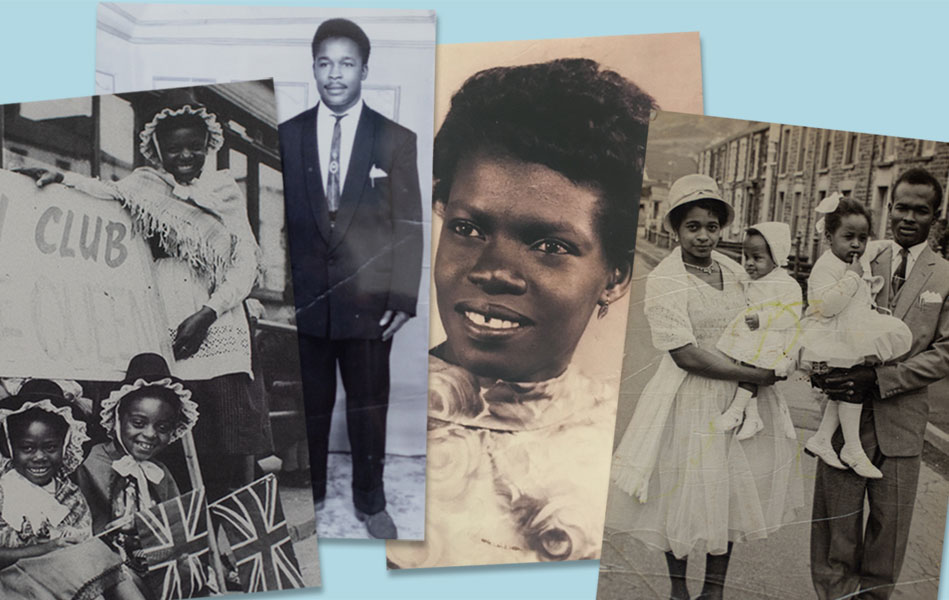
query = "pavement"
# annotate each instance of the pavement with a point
(405, 499)
(777, 567)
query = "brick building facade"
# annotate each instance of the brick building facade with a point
(781, 172)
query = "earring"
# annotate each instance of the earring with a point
(604, 308)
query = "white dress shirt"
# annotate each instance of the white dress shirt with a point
(914, 252)
(324, 139)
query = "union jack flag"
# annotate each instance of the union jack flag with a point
(174, 538)
(256, 529)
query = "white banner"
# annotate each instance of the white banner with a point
(77, 298)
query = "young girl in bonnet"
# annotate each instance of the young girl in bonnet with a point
(46, 546)
(765, 335)
(121, 477)
(195, 219)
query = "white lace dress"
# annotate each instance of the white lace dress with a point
(708, 488)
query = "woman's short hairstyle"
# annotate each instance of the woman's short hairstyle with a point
(716, 207)
(341, 28)
(846, 206)
(570, 115)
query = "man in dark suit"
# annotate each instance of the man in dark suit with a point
(845, 557)
(354, 216)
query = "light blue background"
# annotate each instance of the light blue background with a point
(877, 67)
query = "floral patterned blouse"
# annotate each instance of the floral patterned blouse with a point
(517, 472)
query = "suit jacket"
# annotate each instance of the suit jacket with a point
(901, 411)
(346, 276)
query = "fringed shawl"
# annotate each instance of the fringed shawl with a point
(191, 222)
(666, 308)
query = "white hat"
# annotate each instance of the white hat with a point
(692, 188)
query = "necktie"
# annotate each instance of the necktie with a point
(899, 277)
(332, 181)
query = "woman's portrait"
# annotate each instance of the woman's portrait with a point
(537, 172)
(538, 159)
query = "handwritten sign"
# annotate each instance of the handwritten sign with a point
(77, 297)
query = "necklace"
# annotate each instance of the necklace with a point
(707, 270)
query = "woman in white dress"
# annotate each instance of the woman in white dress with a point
(700, 489)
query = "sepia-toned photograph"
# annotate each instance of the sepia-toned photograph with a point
(150, 400)
(355, 97)
(537, 172)
(780, 431)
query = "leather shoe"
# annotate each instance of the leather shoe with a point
(379, 525)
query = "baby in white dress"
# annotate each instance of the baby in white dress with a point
(767, 333)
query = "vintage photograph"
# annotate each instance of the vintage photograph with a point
(537, 172)
(355, 95)
(150, 400)
(780, 431)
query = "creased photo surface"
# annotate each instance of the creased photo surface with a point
(786, 357)
(150, 389)
(355, 97)
(538, 162)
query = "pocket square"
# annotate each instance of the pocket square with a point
(376, 173)
(930, 296)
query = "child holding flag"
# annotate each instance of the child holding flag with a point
(119, 478)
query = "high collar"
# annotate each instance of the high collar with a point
(459, 396)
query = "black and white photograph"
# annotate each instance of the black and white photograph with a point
(151, 401)
(538, 162)
(782, 430)
(355, 96)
